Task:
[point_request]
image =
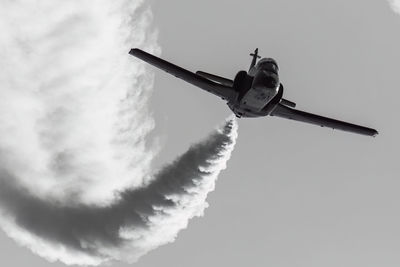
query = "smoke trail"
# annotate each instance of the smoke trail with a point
(142, 219)
(395, 4)
(74, 160)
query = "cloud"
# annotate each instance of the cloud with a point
(395, 4)
(75, 161)
(73, 104)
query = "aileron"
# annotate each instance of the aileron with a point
(298, 115)
(220, 90)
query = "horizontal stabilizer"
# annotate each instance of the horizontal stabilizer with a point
(215, 78)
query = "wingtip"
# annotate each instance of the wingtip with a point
(135, 51)
(132, 51)
(372, 132)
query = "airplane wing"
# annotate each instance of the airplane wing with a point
(223, 91)
(298, 115)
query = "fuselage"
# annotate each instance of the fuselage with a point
(257, 88)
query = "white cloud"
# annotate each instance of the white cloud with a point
(75, 181)
(72, 101)
(395, 4)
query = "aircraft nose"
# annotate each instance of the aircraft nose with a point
(265, 79)
(269, 64)
(271, 60)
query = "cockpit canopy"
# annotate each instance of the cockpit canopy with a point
(268, 64)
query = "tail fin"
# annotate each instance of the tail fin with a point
(255, 57)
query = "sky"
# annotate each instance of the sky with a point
(293, 194)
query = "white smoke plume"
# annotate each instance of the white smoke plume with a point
(395, 4)
(75, 181)
(140, 220)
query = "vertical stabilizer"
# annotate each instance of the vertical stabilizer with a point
(255, 57)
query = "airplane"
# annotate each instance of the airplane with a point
(253, 93)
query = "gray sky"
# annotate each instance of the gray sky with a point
(293, 194)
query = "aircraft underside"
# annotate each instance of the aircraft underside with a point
(255, 93)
